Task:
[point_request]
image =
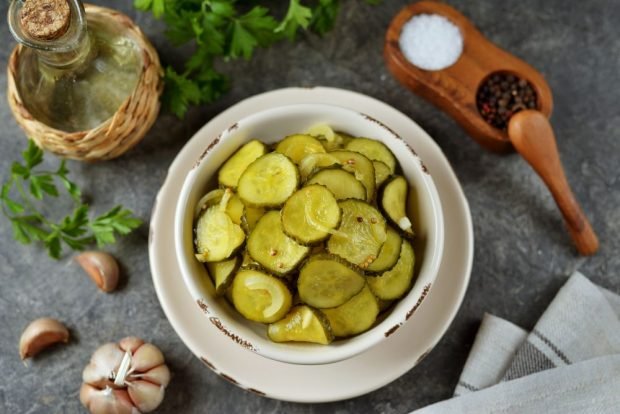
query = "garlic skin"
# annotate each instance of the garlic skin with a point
(40, 334)
(128, 377)
(101, 267)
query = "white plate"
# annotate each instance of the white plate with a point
(341, 380)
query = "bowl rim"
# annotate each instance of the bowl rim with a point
(365, 340)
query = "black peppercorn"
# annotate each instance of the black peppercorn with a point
(501, 95)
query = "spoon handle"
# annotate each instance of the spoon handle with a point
(532, 136)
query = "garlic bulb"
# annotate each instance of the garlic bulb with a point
(124, 378)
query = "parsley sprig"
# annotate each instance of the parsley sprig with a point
(22, 194)
(227, 29)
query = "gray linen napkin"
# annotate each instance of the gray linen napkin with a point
(569, 362)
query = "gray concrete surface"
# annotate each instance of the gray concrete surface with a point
(522, 256)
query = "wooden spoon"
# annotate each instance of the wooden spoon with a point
(532, 136)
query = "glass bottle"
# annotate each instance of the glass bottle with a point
(72, 75)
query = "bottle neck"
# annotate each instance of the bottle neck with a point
(69, 51)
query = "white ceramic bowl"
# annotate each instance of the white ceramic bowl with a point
(270, 126)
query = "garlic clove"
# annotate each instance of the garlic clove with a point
(158, 375)
(106, 400)
(101, 267)
(130, 343)
(146, 357)
(40, 334)
(146, 396)
(105, 360)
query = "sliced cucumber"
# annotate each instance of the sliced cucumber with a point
(234, 206)
(223, 273)
(260, 297)
(302, 324)
(389, 253)
(355, 316)
(326, 282)
(232, 169)
(311, 214)
(361, 167)
(394, 204)
(374, 150)
(217, 237)
(272, 248)
(269, 181)
(313, 162)
(382, 172)
(297, 146)
(322, 131)
(361, 233)
(247, 262)
(251, 215)
(395, 282)
(341, 183)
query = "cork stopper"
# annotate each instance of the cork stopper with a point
(45, 19)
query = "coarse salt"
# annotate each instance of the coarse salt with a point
(431, 42)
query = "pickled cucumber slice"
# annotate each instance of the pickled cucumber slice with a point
(361, 233)
(251, 215)
(247, 262)
(302, 324)
(297, 146)
(234, 206)
(330, 139)
(382, 172)
(232, 169)
(313, 162)
(269, 181)
(272, 248)
(355, 316)
(326, 282)
(394, 204)
(341, 183)
(389, 253)
(260, 297)
(222, 273)
(361, 167)
(217, 237)
(395, 282)
(310, 214)
(374, 150)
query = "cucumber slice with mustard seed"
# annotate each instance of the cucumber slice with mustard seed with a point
(355, 316)
(395, 282)
(260, 297)
(269, 181)
(326, 282)
(393, 202)
(374, 150)
(389, 253)
(361, 233)
(297, 146)
(217, 237)
(222, 273)
(231, 171)
(302, 324)
(310, 214)
(361, 167)
(340, 182)
(272, 248)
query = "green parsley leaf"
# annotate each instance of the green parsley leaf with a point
(76, 230)
(297, 16)
(227, 30)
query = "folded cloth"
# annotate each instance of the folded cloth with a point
(569, 362)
